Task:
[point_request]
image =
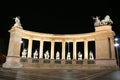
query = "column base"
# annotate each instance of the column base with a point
(12, 62)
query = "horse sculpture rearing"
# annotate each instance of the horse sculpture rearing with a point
(105, 21)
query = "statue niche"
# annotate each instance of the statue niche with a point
(68, 56)
(35, 54)
(79, 55)
(24, 53)
(46, 55)
(57, 55)
(91, 56)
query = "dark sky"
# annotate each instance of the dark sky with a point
(70, 20)
(58, 20)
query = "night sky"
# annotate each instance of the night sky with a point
(71, 20)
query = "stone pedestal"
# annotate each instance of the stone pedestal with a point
(68, 64)
(103, 28)
(12, 62)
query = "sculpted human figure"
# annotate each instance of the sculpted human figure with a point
(57, 55)
(79, 55)
(105, 21)
(24, 53)
(46, 55)
(17, 23)
(68, 56)
(17, 20)
(35, 54)
(91, 57)
(97, 21)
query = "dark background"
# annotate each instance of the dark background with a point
(66, 20)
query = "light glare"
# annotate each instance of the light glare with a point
(116, 44)
(116, 39)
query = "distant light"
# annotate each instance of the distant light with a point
(116, 44)
(116, 39)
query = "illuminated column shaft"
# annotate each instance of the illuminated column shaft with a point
(41, 50)
(63, 50)
(74, 50)
(52, 50)
(14, 44)
(29, 48)
(85, 49)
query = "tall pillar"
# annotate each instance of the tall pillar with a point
(13, 56)
(41, 49)
(52, 49)
(74, 50)
(63, 50)
(85, 49)
(15, 40)
(29, 48)
(112, 48)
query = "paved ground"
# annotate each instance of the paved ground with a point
(49, 74)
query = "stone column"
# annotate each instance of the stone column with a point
(74, 50)
(63, 50)
(41, 49)
(112, 48)
(29, 48)
(85, 49)
(52, 49)
(13, 56)
(14, 45)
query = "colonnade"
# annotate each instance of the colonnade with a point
(103, 38)
(52, 50)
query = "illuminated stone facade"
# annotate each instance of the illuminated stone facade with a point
(104, 49)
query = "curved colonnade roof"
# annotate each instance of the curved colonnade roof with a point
(91, 36)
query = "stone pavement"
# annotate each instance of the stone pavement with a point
(58, 74)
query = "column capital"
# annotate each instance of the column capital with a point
(85, 40)
(52, 41)
(30, 38)
(74, 41)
